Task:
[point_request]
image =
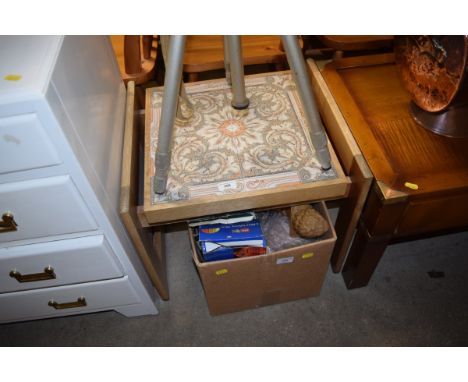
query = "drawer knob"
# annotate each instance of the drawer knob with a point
(80, 302)
(8, 223)
(48, 274)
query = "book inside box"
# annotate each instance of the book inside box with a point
(246, 234)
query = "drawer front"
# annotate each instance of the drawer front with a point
(57, 263)
(71, 299)
(24, 144)
(43, 207)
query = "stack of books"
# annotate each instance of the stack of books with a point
(230, 240)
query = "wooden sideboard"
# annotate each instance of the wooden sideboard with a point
(420, 184)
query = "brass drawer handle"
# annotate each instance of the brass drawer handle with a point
(80, 302)
(48, 274)
(8, 223)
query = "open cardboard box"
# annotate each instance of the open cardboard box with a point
(251, 282)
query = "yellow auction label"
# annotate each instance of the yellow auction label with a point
(412, 186)
(307, 255)
(221, 272)
(12, 77)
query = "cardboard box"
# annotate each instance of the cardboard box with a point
(251, 282)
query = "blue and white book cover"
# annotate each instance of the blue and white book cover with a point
(214, 237)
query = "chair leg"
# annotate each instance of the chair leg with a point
(172, 82)
(132, 54)
(301, 78)
(239, 99)
(182, 92)
(147, 42)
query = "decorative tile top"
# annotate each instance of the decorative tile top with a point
(217, 149)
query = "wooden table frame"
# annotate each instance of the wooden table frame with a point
(420, 184)
(353, 163)
(286, 195)
(149, 244)
(355, 188)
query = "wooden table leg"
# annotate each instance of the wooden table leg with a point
(379, 220)
(149, 244)
(132, 54)
(350, 211)
(354, 165)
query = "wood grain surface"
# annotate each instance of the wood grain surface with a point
(205, 53)
(376, 107)
(148, 243)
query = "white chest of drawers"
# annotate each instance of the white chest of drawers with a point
(63, 248)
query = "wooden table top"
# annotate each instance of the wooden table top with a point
(375, 105)
(205, 53)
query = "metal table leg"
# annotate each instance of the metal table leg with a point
(236, 64)
(302, 80)
(172, 83)
(235, 74)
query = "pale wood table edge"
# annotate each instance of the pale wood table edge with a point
(148, 245)
(354, 165)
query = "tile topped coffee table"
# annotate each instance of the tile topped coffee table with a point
(225, 159)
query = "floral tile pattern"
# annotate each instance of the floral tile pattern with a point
(217, 149)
